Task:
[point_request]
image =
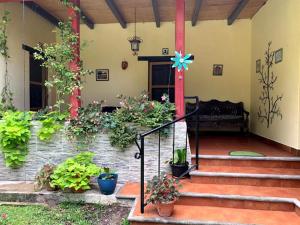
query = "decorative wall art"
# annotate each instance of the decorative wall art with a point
(102, 75)
(269, 104)
(258, 65)
(124, 65)
(165, 51)
(217, 70)
(278, 55)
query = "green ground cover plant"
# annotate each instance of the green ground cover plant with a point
(14, 137)
(64, 214)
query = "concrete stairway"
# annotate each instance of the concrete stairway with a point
(232, 190)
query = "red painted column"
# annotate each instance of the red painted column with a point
(180, 47)
(75, 97)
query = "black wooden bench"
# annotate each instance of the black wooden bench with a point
(219, 115)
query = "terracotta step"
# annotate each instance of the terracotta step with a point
(132, 190)
(250, 170)
(263, 162)
(266, 180)
(218, 209)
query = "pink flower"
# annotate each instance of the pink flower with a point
(163, 98)
(4, 216)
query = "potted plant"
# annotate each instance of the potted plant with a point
(163, 192)
(179, 165)
(107, 182)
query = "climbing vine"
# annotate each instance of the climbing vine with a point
(269, 107)
(57, 58)
(6, 102)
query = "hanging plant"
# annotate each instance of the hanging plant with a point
(57, 58)
(14, 137)
(6, 102)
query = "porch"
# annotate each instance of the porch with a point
(237, 47)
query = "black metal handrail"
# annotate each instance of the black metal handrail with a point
(141, 146)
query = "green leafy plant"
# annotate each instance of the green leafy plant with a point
(6, 102)
(57, 58)
(74, 174)
(125, 222)
(140, 112)
(82, 129)
(51, 123)
(14, 137)
(162, 189)
(43, 178)
(180, 156)
(120, 133)
(109, 174)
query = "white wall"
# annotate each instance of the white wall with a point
(28, 29)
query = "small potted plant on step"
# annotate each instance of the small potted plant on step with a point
(107, 182)
(163, 192)
(179, 165)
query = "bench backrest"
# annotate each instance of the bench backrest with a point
(216, 107)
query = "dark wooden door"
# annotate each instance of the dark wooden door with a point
(161, 80)
(38, 91)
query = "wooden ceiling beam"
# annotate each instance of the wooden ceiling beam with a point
(156, 12)
(237, 11)
(196, 12)
(113, 7)
(42, 12)
(87, 20)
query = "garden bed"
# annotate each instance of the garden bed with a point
(128, 168)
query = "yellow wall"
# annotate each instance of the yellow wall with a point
(278, 21)
(30, 31)
(211, 42)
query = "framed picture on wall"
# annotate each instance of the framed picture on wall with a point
(258, 65)
(102, 75)
(217, 70)
(278, 55)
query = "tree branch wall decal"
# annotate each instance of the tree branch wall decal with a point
(269, 105)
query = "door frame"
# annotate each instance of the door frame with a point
(150, 86)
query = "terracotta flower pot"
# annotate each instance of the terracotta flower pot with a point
(165, 209)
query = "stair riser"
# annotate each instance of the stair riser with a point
(265, 182)
(249, 163)
(235, 203)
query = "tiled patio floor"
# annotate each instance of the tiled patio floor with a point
(222, 144)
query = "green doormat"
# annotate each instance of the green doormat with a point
(245, 153)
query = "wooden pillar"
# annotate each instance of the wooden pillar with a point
(75, 97)
(180, 47)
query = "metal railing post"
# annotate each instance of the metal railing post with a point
(142, 174)
(197, 138)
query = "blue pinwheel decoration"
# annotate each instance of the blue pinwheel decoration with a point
(181, 62)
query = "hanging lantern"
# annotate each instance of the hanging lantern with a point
(135, 41)
(135, 44)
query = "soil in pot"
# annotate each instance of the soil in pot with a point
(179, 169)
(165, 209)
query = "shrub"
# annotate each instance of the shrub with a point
(43, 178)
(83, 128)
(74, 174)
(14, 137)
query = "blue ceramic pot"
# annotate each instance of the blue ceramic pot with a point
(107, 186)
